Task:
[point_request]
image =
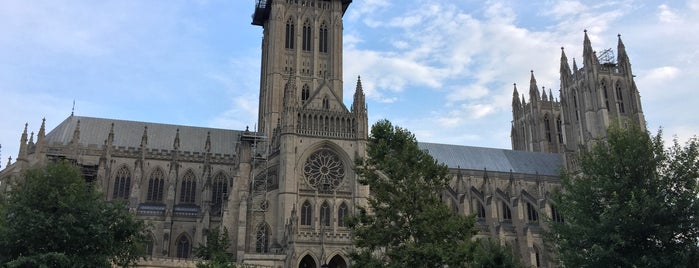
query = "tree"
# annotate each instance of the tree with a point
(633, 204)
(490, 253)
(55, 219)
(406, 224)
(215, 252)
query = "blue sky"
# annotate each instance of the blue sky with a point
(443, 69)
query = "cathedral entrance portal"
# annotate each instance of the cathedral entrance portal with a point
(308, 262)
(337, 262)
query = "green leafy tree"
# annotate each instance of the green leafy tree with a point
(215, 252)
(406, 223)
(633, 204)
(490, 253)
(55, 219)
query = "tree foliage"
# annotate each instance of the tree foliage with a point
(633, 204)
(490, 253)
(55, 219)
(215, 251)
(406, 224)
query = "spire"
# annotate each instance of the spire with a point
(359, 104)
(207, 145)
(144, 138)
(31, 138)
(565, 68)
(551, 95)
(23, 139)
(176, 143)
(533, 89)
(622, 58)
(42, 131)
(516, 104)
(575, 65)
(543, 94)
(587, 48)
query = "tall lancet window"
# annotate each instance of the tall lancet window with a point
(606, 94)
(323, 38)
(547, 127)
(620, 98)
(305, 93)
(306, 42)
(289, 43)
(189, 188)
(122, 184)
(155, 186)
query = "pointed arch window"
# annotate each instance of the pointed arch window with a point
(480, 210)
(606, 94)
(342, 213)
(156, 183)
(620, 98)
(537, 256)
(326, 103)
(262, 238)
(306, 213)
(323, 38)
(122, 184)
(325, 214)
(547, 127)
(575, 104)
(506, 212)
(183, 247)
(532, 213)
(188, 189)
(559, 129)
(306, 42)
(555, 215)
(305, 92)
(219, 193)
(289, 40)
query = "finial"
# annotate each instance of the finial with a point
(72, 111)
(585, 30)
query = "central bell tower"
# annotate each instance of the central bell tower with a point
(302, 181)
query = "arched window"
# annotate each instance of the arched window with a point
(620, 98)
(606, 94)
(537, 257)
(289, 41)
(306, 213)
(325, 214)
(326, 103)
(547, 127)
(306, 42)
(342, 213)
(575, 103)
(480, 210)
(219, 193)
(188, 188)
(122, 184)
(559, 129)
(305, 92)
(183, 247)
(262, 238)
(532, 214)
(323, 38)
(555, 216)
(506, 212)
(156, 183)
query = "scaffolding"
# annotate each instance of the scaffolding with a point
(259, 177)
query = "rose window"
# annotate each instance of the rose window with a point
(324, 170)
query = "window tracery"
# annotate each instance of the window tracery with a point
(122, 184)
(324, 170)
(189, 186)
(156, 184)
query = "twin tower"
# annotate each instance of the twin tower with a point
(593, 97)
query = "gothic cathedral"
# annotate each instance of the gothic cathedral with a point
(284, 189)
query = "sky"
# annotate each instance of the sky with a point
(442, 69)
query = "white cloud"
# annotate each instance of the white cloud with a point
(565, 8)
(666, 14)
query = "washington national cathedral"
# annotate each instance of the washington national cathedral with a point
(284, 189)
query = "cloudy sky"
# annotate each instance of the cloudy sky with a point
(443, 69)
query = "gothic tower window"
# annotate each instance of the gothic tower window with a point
(262, 238)
(547, 127)
(305, 92)
(156, 183)
(555, 215)
(575, 104)
(324, 170)
(559, 129)
(620, 98)
(532, 214)
(306, 42)
(289, 40)
(188, 188)
(323, 38)
(219, 192)
(342, 213)
(606, 94)
(183, 247)
(325, 214)
(326, 103)
(122, 184)
(537, 257)
(306, 213)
